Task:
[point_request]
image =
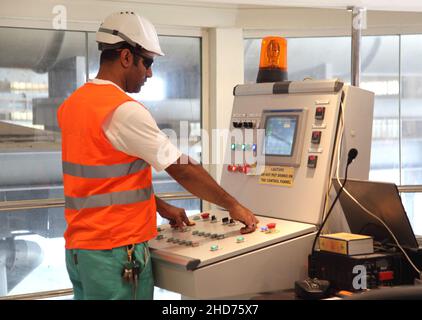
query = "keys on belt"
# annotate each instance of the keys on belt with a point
(131, 270)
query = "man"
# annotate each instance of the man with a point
(109, 143)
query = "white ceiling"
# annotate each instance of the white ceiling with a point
(389, 5)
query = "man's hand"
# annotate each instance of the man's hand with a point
(196, 180)
(240, 213)
(176, 216)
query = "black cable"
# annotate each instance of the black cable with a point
(351, 156)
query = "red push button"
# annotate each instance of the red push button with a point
(312, 161)
(386, 275)
(271, 226)
(316, 137)
(205, 215)
(319, 113)
(245, 168)
(232, 168)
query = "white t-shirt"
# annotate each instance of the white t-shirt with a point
(132, 130)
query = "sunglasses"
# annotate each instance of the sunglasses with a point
(146, 61)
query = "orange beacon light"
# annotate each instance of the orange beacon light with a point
(273, 60)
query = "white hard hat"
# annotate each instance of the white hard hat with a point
(130, 27)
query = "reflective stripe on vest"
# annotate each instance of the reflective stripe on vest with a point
(108, 199)
(110, 171)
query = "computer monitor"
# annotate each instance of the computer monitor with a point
(383, 200)
(280, 133)
(284, 135)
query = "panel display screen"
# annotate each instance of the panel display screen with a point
(280, 133)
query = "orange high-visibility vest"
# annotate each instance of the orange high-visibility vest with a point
(109, 199)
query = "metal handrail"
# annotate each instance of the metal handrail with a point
(410, 189)
(59, 202)
(40, 295)
(31, 204)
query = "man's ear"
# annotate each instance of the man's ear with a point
(126, 58)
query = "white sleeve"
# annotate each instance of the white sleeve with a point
(132, 130)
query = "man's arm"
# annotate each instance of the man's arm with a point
(193, 177)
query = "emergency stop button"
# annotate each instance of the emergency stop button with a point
(319, 113)
(312, 161)
(316, 137)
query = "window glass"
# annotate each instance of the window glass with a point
(411, 111)
(319, 58)
(413, 205)
(32, 251)
(38, 70)
(252, 49)
(380, 74)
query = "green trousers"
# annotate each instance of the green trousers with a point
(97, 274)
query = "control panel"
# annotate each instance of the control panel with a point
(280, 139)
(281, 146)
(278, 163)
(215, 236)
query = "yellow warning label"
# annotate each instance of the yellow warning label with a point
(276, 175)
